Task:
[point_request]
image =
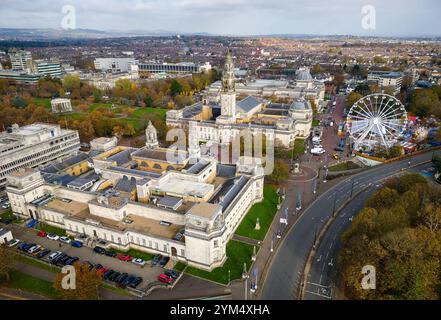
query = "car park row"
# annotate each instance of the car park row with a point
(60, 259)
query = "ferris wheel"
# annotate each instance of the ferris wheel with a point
(377, 119)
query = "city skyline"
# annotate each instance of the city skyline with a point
(226, 17)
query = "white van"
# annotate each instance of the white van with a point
(317, 151)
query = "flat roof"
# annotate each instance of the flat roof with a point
(204, 210)
(178, 186)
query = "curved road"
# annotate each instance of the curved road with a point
(284, 275)
(320, 282)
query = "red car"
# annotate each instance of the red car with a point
(124, 257)
(41, 234)
(165, 278)
(102, 271)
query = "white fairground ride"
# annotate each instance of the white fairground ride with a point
(376, 120)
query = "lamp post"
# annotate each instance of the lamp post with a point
(245, 277)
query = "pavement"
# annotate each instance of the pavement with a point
(285, 274)
(321, 280)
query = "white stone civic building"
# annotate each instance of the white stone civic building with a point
(220, 119)
(187, 209)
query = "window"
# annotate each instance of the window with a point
(216, 243)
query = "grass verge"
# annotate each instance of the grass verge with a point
(25, 282)
(264, 210)
(238, 253)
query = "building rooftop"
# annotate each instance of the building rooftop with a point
(204, 210)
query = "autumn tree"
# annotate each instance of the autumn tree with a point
(71, 82)
(7, 262)
(280, 171)
(352, 98)
(86, 284)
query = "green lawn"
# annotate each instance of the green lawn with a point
(95, 106)
(51, 229)
(23, 281)
(238, 253)
(139, 112)
(344, 166)
(179, 267)
(44, 102)
(285, 153)
(265, 211)
(315, 123)
(7, 215)
(38, 264)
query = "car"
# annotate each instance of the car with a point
(127, 281)
(59, 258)
(23, 246)
(13, 243)
(108, 274)
(172, 273)
(6, 220)
(165, 278)
(339, 149)
(163, 261)
(99, 250)
(317, 151)
(52, 236)
(124, 257)
(65, 240)
(135, 282)
(71, 261)
(138, 261)
(156, 259)
(54, 255)
(98, 266)
(335, 156)
(114, 275)
(76, 244)
(43, 253)
(121, 278)
(110, 253)
(102, 271)
(41, 234)
(34, 248)
(102, 242)
(38, 250)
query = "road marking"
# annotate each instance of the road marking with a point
(318, 294)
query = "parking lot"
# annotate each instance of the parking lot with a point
(148, 272)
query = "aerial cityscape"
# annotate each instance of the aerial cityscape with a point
(220, 150)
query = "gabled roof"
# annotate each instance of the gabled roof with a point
(248, 104)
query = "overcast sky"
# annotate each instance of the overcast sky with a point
(242, 17)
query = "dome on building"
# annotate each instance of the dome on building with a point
(303, 74)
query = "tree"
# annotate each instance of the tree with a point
(175, 88)
(352, 98)
(7, 263)
(19, 102)
(436, 160)
(280, 171)
(86, 284)
(71, 82)
(384, 198)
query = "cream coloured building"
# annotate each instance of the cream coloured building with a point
(220, 118)
(188, 211)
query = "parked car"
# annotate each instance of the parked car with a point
(110, 253)
(102, 271)
(52, 236)
(71, 261)
(121, 278)
(76, 244)
(124, 257)
(65, 240)
(99, 250)
(138, 261)
(38, 250)
(13, 242)
(25, 246)
(108, 274)
(102, 242)
(135, 282)
(54, 255)
(165, 278)
(127, 281)
(172, 273)
(34, 248)
(163, 261)
(42, 234)
(156, 259)
(114, 275)
(317, 151)
(43, 253)
(98, 266)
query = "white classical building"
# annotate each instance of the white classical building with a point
(34, 145)
(187, 209)
(221, 118)
(61, 105)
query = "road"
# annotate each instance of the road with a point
(284, 276)
(320, 282)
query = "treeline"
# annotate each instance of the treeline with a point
(168, 93)
(399, 233)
